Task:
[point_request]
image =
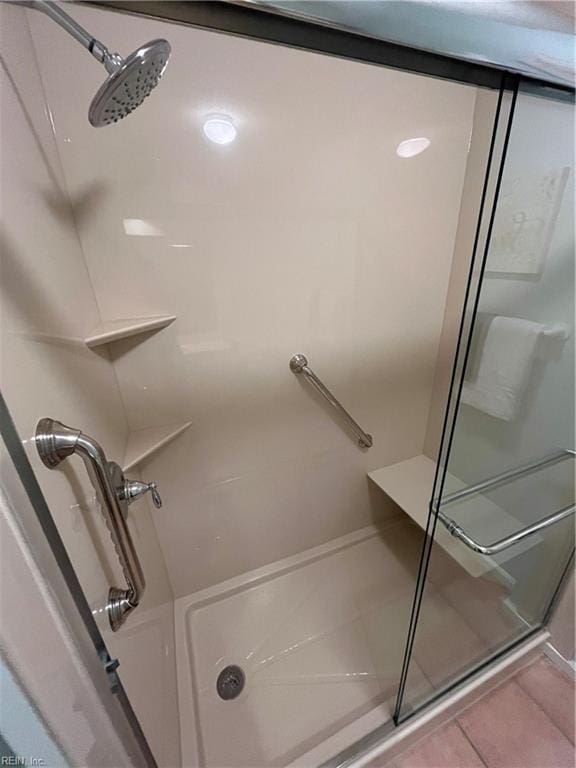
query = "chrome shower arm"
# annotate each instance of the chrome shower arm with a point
(130, 80)
(110, 60)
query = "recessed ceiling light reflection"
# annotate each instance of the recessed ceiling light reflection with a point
(141, 228)
(412, 147)
(219, 129)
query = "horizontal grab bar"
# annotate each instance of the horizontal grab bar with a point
(299, 364)
(498, 546)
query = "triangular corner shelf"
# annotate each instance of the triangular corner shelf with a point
(142, 443)
(113, 330)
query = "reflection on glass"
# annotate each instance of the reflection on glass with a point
(516, 409)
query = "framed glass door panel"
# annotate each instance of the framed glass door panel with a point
(501, 525)
(25, 510)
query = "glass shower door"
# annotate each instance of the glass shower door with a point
(81, 671)
(501, 526)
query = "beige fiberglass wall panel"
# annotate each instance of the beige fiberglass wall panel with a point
(306, 234)
(48, 306)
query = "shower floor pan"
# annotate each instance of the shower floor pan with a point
(319, 638)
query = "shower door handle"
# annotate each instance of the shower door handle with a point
(508, 541)
(499, 546)
(56, 442)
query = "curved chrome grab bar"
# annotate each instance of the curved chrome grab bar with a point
(55, 442)
(299, 364)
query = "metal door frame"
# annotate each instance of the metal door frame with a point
(504, 120)
(81, 620)
(247, 20)
(256, 21)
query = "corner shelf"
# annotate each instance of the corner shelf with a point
(409, 484)
(143, 443)
(113, 330)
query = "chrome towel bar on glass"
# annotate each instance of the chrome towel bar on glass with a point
(498, 546)
(56, 442)
(299, 364)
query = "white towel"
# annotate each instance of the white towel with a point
(504, 360)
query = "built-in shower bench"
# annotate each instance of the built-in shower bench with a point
(409, 484)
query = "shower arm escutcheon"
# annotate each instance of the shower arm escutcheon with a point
(56, 442)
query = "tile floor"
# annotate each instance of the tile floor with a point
(527, 722)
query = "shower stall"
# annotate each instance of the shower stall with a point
(287, 368)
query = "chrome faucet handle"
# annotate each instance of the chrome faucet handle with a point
(156, 498)
(134, 489)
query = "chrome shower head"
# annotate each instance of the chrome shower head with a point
(131, 81)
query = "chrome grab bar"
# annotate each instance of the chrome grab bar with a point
(56, 442)
(498, 546)
(299, 364)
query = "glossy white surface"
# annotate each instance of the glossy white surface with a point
(306, 234)
(309, 633)
(46, 301)
(321, 638)
(146, 652)
(219, 129)
(143, 443)
(112, 330)
(46, 290)
(412, 147)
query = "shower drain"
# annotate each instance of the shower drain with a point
(230, 682)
